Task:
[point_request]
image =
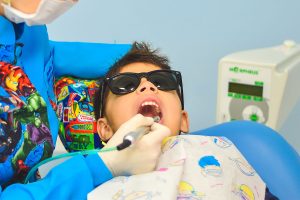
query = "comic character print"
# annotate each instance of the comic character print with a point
(25, 137)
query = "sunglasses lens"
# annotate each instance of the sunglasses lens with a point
(123, 84)
(164, 80)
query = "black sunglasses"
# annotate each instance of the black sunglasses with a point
(125, 83)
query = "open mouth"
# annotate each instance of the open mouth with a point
(150, 109)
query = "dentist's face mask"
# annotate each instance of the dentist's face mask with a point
(47, 11)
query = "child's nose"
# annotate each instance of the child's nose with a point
(146, 86)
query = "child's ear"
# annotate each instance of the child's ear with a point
(104, 130)
(185, 124)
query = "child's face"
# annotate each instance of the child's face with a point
(120, 108)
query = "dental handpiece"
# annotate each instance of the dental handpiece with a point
(133, 136)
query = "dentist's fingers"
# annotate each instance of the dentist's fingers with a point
(141, 157)
(137, 121)
(157, 134)
(131, 125)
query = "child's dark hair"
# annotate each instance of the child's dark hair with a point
(140, 52)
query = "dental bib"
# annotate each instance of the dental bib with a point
(190, 167)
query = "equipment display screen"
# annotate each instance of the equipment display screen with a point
(253, 90)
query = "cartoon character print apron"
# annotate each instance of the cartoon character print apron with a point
(25, 137)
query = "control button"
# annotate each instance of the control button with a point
(257, 98)
(246, 97)
(253, 113)
(259, 83)
(237, 96)
(254, 117)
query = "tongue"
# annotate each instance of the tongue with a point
(149, 111)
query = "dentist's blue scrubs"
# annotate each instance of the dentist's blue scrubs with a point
(76, 177)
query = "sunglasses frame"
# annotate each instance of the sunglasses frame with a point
(146, 75)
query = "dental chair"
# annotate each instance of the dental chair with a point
(268, 152)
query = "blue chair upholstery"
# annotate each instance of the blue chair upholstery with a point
(87, 60)
(277, 163)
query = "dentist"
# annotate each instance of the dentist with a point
(28, 125)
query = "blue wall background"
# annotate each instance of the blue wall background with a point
(194, 34)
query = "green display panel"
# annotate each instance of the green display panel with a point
(253, 90)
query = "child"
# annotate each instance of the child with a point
(142, 83)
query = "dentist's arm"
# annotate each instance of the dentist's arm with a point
(72, 179)
(76, 177)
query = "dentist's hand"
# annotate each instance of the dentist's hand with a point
(140, 157)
